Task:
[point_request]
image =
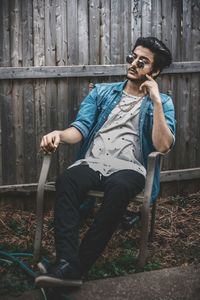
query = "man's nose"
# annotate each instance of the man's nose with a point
(134, 62)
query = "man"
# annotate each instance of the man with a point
(119, 124)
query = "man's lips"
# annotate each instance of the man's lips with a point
(132, 71)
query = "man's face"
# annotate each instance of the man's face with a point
(137, 73)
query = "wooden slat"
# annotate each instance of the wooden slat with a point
(8, 143)
(1, 89)
(17, 99)
(186, 36)
(177, 175)
(195, 36)
(39, 85)
(176, 21)
(165, 176)
(195, 89)
(126, 28)
(29, 187)
(88, 71)
(116, 32)
(136, 13)
(166, 12)
(146, 17)
(62, 86)
(94, 31)
(83, 38)
(28, 95)
(156, 19)
(1, 167)
(105, 56)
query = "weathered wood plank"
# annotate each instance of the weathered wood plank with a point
(136, 20)
(39, 85)
(105, 57)
(8, 141)
(117, 36)
(165, 176)
(94, 32)
(28, 95)
(186, 36)
(87, 70)
(176, 29)
(166, 13)
(195, 30)
(1, 90)
(182, 174)
(146, 17)
(72, 32)
(156, 28)
(126, 29)
(8, 145)
(83, 32)
(17, 99)
(62, 85)
(18, 187)
(195, 85)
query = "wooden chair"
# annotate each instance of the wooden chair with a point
(144, 198)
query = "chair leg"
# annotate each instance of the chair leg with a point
(39, 225)
(153, 217)
(40, 207)
(144, 237)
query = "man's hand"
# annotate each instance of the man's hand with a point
(50, 142)
(150, 86)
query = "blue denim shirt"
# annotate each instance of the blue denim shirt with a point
(96, 107)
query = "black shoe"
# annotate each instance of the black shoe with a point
(61, 274)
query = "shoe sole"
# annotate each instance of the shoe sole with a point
(47, 281)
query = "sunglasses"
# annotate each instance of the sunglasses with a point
(140, 63)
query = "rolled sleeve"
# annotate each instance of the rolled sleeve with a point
(81, 127)
(87, 114)
(169, 112)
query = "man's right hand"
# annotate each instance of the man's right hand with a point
(50, 141)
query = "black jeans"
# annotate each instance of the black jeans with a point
(71, 189)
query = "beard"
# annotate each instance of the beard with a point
(138, 80)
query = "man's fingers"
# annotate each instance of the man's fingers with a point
(143, 88)
(50, 142)
(56, 141)
(149, 77)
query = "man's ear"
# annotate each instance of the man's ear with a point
(155, 73)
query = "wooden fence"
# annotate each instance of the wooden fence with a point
(51, 50)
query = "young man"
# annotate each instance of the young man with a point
(119, 124)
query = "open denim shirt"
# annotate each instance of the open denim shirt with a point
(96, 107)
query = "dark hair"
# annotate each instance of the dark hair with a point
(162, 55)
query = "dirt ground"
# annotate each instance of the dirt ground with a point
(176, 239)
